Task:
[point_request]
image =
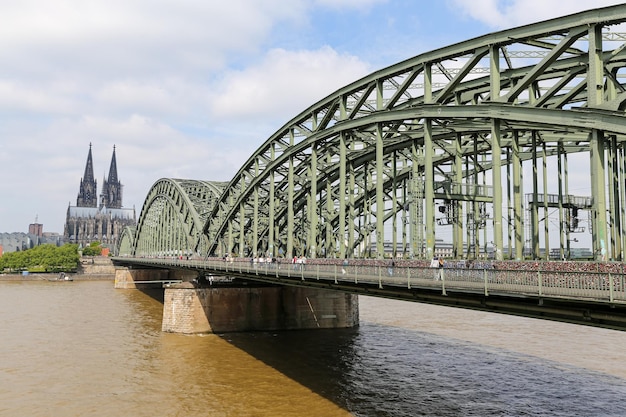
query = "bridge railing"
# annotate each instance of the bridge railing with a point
(602, 286)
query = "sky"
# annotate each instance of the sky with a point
(191, 88)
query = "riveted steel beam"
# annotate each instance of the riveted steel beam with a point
(429, 136)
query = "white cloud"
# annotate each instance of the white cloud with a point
(122, 37)
(127, 96)
(503, 14)
(55, 97)
(285, 83)
(349, 4)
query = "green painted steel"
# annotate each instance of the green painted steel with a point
(172, 218)
(434, 147)
(126, 241)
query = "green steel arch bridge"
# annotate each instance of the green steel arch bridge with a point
(452, 133)
(474, 140)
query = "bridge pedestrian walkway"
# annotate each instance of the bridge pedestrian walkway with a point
(602, 287)
(575, 295)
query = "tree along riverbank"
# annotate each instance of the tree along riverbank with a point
(91, 268)
(53, 277)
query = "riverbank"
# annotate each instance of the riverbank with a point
(97, 268)
(54, 276)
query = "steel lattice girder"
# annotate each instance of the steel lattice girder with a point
(569, 127)
(392, 97)
(173, 215)
(126, 242)
(356, 150)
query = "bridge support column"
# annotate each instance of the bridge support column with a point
(217, 309)
(129, 278)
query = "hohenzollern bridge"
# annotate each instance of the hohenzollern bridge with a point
(447, 133)
(474, 146)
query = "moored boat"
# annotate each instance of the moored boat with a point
(62, 277)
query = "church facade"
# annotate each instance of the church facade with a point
(98, 218)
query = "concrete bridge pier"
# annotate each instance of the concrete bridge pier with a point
(149, 278)
(226, 308)
(218, 309)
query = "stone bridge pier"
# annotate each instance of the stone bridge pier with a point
(127, 278)
(228, 307)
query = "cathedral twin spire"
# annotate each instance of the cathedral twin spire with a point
(87, 194)
(111, 196)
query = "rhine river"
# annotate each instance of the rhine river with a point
(83, 348)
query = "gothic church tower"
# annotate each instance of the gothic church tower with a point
(87, 194)
(111, 196)
(86, 222)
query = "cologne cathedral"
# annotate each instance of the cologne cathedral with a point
(91, 220)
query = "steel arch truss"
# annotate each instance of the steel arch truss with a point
(127, 239)
(172, 218)
(366, 166)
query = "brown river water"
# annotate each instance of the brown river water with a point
(83, 348)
